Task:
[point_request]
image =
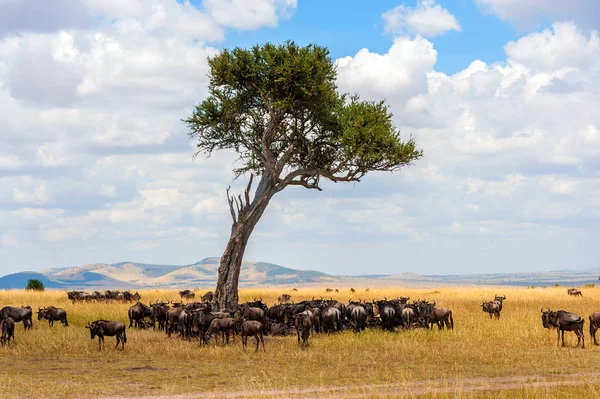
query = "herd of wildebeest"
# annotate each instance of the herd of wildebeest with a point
(203, 322)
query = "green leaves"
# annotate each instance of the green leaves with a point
(278, 107)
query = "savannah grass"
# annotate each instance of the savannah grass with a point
(65, 362)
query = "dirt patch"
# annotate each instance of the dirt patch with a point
(144, 368)
(428, 387)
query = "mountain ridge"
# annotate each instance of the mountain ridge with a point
(203, 273)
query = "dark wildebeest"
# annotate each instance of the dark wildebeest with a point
(159, 314)
(499, 299)
(208, 297)
(138, 312)
(358, 317)
(564, 321)
(441, 317)
(574, 292)
(352, 290)
(51, 313)
(303, 326)
(104, 328)
(202, 321)
(492, 308)
(294, 289)
(252, 313)
(252, 328)
(187, 294)
(328, 289)
(22, 314)
(222, 326)
(594, 325)
(331, 319)
(7, 327)
(387, 314)
(172, 319)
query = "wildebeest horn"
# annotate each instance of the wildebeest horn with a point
(434, 303)
(542, 310)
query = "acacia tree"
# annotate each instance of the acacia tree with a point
(278, 107)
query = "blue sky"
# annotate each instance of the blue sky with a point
(348, 26)
(502, 95)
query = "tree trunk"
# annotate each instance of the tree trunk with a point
(231, 261)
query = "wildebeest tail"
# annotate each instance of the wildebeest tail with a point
(591, 328)
(125, 335)
(451, 320)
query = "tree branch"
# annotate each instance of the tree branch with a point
(239, 203)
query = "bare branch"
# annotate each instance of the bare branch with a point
(230, 201)
(247, 191)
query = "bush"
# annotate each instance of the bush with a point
(557, 285)
(35, 285)
(589, 285)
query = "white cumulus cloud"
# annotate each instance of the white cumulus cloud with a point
(427, 18)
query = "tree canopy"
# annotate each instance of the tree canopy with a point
(278, 107)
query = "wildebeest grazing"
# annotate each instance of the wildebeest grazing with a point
(51, 314)
(574, 292)
(104, 328)
(564, 321)
(22, 314)
(7, 327)
(252, 328)
(220, 326)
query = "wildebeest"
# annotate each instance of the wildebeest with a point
(252, 328)
(104, 328)
(492, 308)
(252, 313)
(172, 318)
(352, 290)
(564, 321)
(22, 314)
(159, 314)
(331, 319)
(303, 326)
(499, 299)
(328, 289)
(284, 298)
(574, 292)
(201, 322)
(51, 314)
(222, 326)
(594, 325)
(208, 297)
(137, 313)
(441, 317)
(187, 294)
(387, 314)
(359, 318)
(7, 327)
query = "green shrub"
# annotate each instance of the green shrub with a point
(34, 285)
(589, 285)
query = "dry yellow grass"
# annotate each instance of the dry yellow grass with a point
(64, 362)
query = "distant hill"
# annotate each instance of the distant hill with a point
(131, 275)
(137, 275)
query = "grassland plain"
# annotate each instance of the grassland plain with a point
(512, 357)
